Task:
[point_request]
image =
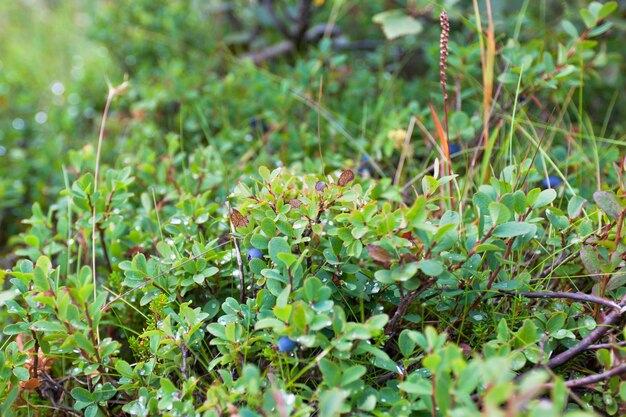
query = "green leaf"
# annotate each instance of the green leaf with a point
(518, 360)
(124, 369)
(48, 326)
(556, 322)
(570, 29)
(396, 23)
(499, 213)
(377, 322)
(406, 343)
(330, 372)
(591, 261)
(545, 197)
(40, 279)
(618, 279)
(275, 324)
(608, 203)
(82, 395)
(259, 241)
(588, 18)
(575, 206)
(21, 373)
(599, 30)
(622, 390)
(352, 374)
(606, 9)
(331, 402)
(417, 385)
(431, 267)
(91, 411)
(84, 343)
(488, 247)
(527, 335)
(548, 62)
(404, 272)
(278, 245)
(512, 229)
(15, 328)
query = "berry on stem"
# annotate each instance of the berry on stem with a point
(285, 344)
(254, 253)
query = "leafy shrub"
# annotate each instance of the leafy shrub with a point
(348, 280)
(350, 273)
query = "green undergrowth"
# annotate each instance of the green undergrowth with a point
(315, 235)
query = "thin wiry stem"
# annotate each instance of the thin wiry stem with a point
(113, 91)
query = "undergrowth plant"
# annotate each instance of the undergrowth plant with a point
(313, 237)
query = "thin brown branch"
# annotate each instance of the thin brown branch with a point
(403, 305)
(278, 22)
(595, 335)
(305, 12)
(578, 296)
(592, 379)
(104, 247)
(608, 345)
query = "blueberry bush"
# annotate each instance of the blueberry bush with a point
(319, 208)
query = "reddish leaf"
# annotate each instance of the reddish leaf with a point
(31, 385)
(346, 177)
(379, 254)
(295, 203)
(608, 203)
(238, 220)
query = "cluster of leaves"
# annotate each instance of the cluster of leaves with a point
(349, 272)
(349, 281)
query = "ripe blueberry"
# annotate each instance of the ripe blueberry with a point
(259, 124)
(551, 181)
(365, 171)
(285, 344)
(454, 148)
(320, 185)
(254, 253)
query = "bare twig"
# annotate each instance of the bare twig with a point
(305, 11)
(595, 335)
(278, 22)
(608, 345)
(592, 379)
(403, 305)
(578, 296)
(288, 46)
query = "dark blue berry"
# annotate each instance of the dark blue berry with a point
(365, 171)
(454, 148)
(259, 124)
(285, 344)
(551, 182)
(320, 185)
(254, 253)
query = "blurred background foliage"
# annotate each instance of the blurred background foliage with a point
(183, 61)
